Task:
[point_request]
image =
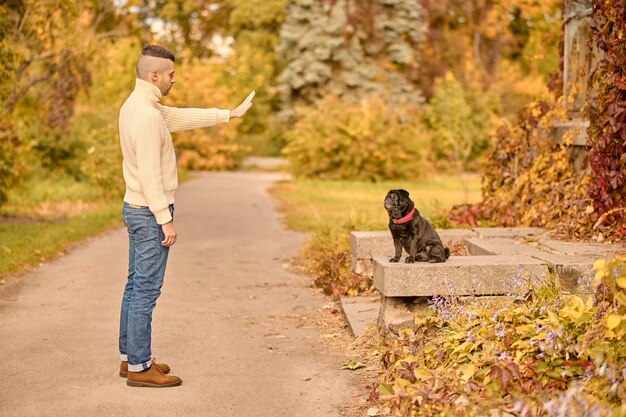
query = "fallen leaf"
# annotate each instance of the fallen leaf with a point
(385, 389)
(352, 365)
(374, 411)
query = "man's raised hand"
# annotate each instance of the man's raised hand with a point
(241, 109)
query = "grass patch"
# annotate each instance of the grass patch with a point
(311, 205)
(329, 210)
(50, 196)
(23, 245)
(46, 214)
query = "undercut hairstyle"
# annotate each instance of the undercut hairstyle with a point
(158, 52)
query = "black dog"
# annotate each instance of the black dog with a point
(411, 231)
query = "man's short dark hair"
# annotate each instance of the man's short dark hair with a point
(158, 52)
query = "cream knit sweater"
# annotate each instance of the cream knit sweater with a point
(149, 159)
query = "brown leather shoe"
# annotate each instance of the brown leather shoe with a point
(124, 368)
(152, 377)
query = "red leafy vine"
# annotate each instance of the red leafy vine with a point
(606, 111)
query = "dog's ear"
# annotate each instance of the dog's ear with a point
(404, 194)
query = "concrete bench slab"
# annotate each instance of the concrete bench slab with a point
(459, 275)
(508, 232)
(589, 249)
(495, 246)
(368, 245)
(502, 246)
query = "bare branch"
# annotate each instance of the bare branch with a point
(43, 56)
(110, 34)
(15, 97)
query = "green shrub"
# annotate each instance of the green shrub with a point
(460, 122)
(57, 150)
(101, 161)
(210, 149)
(369, 140)
(9, 162)
(328, 258)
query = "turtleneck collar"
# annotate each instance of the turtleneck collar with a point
(147, 90)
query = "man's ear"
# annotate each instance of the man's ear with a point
(154, 75)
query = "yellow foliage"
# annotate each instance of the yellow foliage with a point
(574, 309)
(554, 352)
(613, 320)
(214, 148)
(368, 140)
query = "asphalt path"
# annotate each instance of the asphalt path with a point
(232, 321)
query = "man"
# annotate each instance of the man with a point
(151, 181)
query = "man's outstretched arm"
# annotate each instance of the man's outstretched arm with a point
(177, 119)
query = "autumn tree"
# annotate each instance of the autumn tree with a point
(486, 35)
(255, 26)
(182, 24)
(350, 49)
(42, 57)
(44, 66)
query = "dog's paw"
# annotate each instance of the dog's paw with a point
(435, 260)
(409, 260)
(394, 259)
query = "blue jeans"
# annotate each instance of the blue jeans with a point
(147, 259)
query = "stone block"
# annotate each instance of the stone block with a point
(578, 129)
(363, 267)
(451, 237)
(588, 249)
(571, 262)
(500, 246)
(475, 247)
(508, 232)
(368, 245)
(360, 312)
(397, 313)
(459, 275)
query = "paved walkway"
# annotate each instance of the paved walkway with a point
(231, 321)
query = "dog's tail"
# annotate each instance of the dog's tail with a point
(446, 251)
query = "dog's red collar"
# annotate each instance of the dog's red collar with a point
(406, 218)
